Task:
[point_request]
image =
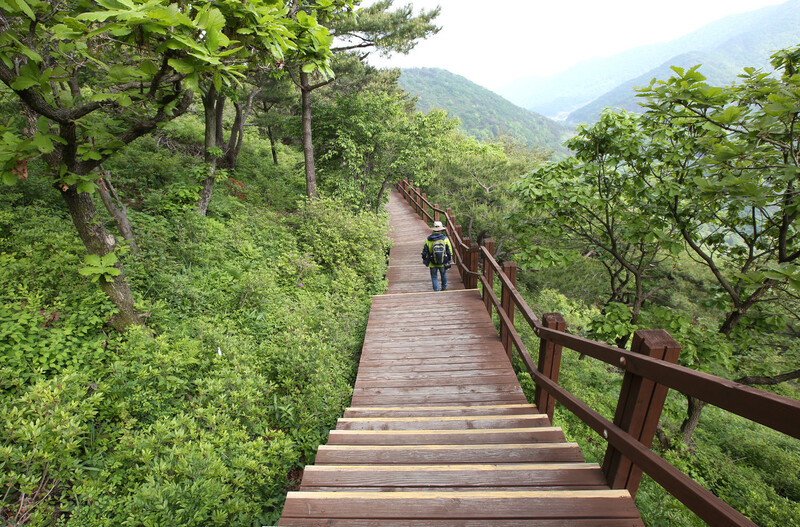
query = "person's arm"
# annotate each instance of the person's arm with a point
(426, 255)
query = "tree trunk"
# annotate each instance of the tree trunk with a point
(211, 103)
(117, 209)
(379, 199)
(308, 145)
(694, 408)
(207, 190)
(271, 135)
(731, 321)
(99, 241)
(236, 138)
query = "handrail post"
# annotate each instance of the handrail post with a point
(472, 264)
(424, 206)
(459, 250)
(418, 202)
(465, 260)
(510, 270)
(488, 273)
(549, 363)
(639, 408)
(436, 212)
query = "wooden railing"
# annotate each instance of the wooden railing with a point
(650, 369)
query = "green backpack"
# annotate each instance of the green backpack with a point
(439, 254)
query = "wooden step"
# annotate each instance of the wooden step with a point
(468, 422)
(485, 522)
(552, 475)
(413, 373)
(446, 437)
(456, 505)
(423, 411)
(426, 454)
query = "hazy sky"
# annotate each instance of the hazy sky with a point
(494, 43)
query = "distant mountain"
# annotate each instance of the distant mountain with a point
(483, 113)
(715, 68)
(724, 47)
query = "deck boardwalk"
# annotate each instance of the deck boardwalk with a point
(439, 431)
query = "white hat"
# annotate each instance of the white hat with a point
(437, 226)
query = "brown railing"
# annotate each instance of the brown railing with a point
(650, 370)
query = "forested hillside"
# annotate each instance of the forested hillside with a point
(483, 114)
(726, 45)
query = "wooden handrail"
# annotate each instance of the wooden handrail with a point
(774, 411)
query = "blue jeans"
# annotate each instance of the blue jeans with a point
(442, 271)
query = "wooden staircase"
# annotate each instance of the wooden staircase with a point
(440, 432)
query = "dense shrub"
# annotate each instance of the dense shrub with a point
(256, 318)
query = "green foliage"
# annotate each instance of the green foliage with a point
(39, 338)
(473, 178)
(723, 172)
(345, 244)
(204, 417)
(369, 140)
(387, 31)
(45, 430)
(612, 324)
(100, 266)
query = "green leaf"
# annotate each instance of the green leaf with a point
(9, 179)
(25, 8)
(23, 83)
(148, 67)
(43, 124)
(93, 260)
(182, 66)
(87, 186)
(310, 67)
(43, 143)
(108, 259)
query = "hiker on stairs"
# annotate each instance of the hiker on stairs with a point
(436, 254)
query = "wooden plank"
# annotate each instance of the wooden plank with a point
(424, 341)
(488, 362)
(445, 351)
(472, 422)
(441, 475)
(446, 437)
(427, 398)
(517, 522)
(448, 380)
(422, 411)
(447, 488)
(494, 362)
(427, 454)
(477, 399)
(433, 364)
(461, 505)
(377, 375)
(440, 394)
